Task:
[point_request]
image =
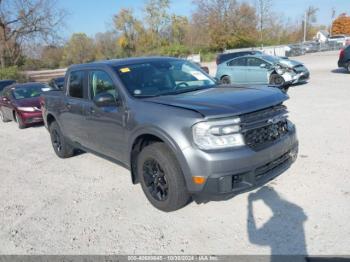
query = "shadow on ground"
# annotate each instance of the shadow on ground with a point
(339, 71)
(284, 231)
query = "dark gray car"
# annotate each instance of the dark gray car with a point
(182, 136)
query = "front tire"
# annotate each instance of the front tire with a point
(277, 80)
(59, 143)
(226, 80)
(19, 121)
(161, 178)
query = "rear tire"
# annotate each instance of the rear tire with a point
(3, 118)
(161, 178)
(19, 121)
(277, 80)
(59, 143)
(225, 80)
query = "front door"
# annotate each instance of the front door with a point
(105, 125)
(237, 69)
(257, 72)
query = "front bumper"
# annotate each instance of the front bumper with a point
(301, 77)
(235, 171)
(29, 118)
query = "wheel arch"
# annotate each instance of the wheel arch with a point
(143, 138)
(50, 118)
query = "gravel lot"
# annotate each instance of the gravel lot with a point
(86, 205)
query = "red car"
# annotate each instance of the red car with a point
(21, 103)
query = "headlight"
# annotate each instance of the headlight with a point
(218, 134)
(26, 109)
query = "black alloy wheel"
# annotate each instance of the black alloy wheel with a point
(155, 180)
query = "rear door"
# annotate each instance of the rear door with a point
(105, 125)
(72, 115)
(237, 70)
(256, 73)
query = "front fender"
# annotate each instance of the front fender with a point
(168, 140)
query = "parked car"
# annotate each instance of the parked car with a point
(181, 135)
(311, 47)
(295, 50)
(20, 103)
(338, 39)
(262, 69)
(5, 83)
(221, 58)
(344, 58)
(57, 83)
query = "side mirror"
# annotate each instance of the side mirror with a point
(105, 99)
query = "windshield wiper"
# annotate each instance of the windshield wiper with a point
(177, 92)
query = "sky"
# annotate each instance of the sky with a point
(93, 16)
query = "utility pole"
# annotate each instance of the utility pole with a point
(305, 26)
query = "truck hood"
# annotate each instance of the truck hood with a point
(224, 101)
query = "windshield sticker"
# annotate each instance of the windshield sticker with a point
(125, 70)
(199, 75)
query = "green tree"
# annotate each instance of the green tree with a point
(129, 28)
(79, 49)
(51, 56)
(227, 23)
(106, 45)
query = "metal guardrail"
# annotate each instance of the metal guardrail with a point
(294, 49)
(45, 75)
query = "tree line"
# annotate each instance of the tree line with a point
(213, 26)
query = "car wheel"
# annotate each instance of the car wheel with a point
(348, 67)
(19, 121)
(3, 118)
(60, 144)
(161, 178)
(277, 80)
(225, 80)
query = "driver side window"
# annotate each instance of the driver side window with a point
(256, 62)
(100, 82)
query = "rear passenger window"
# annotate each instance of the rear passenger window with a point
(100, 82)
(238, 62)
(76, 84)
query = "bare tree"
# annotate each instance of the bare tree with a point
(310, 18)
(264, 15)
(22, 21)
(228, 23)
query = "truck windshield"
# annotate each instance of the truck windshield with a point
(163, 78)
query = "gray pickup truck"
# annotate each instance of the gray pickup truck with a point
(180, 134)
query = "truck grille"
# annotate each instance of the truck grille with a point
(262, 128)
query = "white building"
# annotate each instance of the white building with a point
(322, 36)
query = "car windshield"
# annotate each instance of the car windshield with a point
(158, 78)
(29, 91)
